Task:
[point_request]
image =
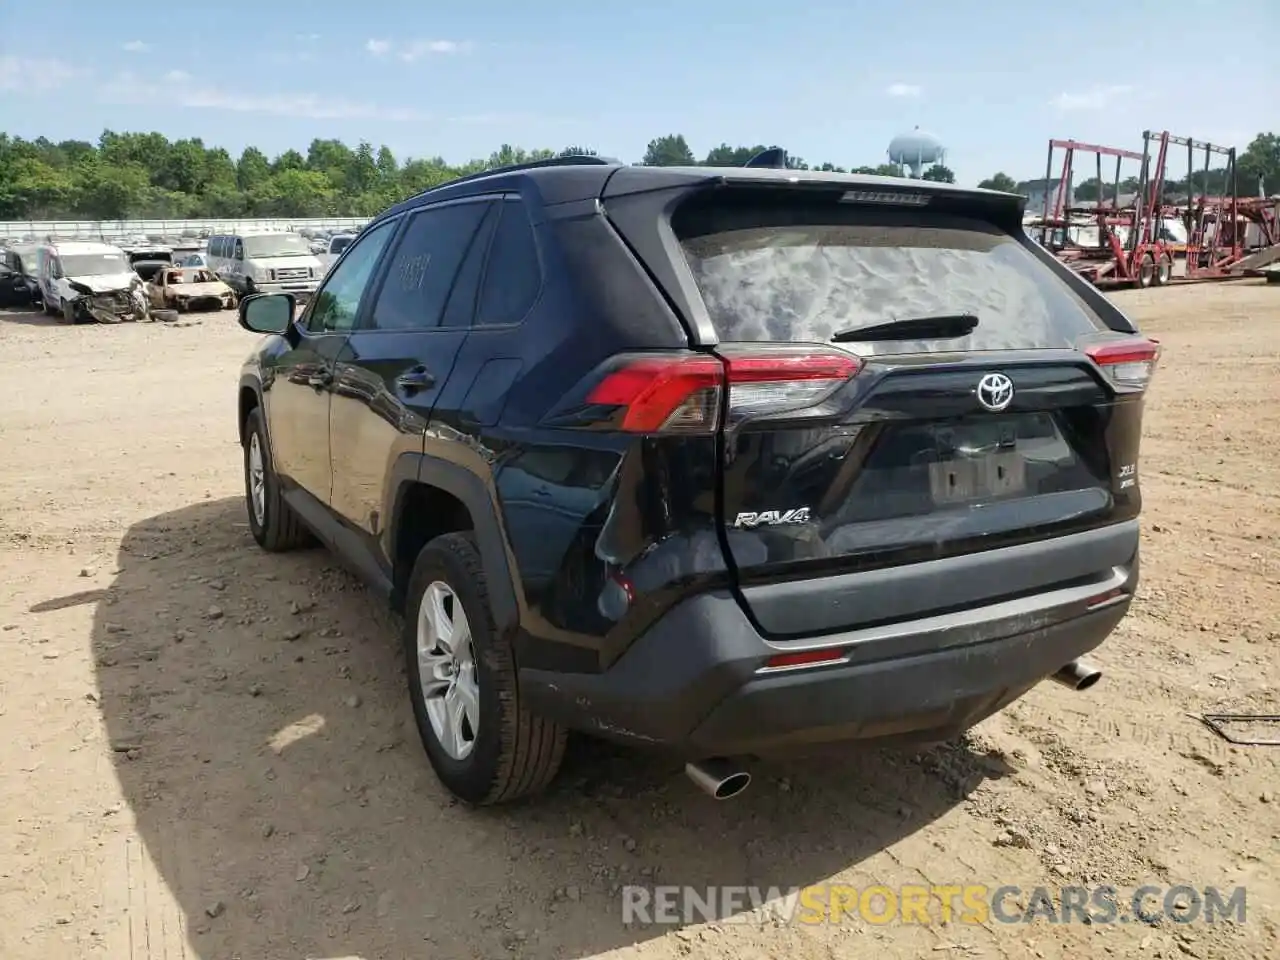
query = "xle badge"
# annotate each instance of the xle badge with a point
(772, 518)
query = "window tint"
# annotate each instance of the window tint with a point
(794, 272)
(422, 269)
(237, 251)
(513, 277)
(338, 301)
(461, 308)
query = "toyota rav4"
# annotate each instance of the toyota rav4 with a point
(722, 462)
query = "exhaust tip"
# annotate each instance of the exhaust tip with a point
(732, 786)
(718, 778)
(1078, 675)
(1088, 680)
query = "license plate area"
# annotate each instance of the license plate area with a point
(983, 476)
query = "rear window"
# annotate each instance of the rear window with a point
(806, 272)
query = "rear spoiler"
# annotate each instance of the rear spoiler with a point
(1004, 210)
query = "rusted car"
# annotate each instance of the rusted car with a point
(188, 290)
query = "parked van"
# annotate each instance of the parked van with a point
(84, 280)
(265, 262)
(333, 249)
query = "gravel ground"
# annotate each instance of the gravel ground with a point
(206, 752)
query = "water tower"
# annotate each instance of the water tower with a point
(916, 150)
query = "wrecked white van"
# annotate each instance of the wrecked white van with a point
(85, 281)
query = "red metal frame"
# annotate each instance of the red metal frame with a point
(1205, 261)
(1142, 258)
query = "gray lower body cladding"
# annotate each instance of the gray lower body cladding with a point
(698, 683)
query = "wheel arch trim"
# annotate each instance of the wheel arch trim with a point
(416, 469)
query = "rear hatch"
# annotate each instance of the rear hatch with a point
(903, 378)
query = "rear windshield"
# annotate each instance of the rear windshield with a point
(339, 244)
(804, 273)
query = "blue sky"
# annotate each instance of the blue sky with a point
(829, 81)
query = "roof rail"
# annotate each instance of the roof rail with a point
(573, 160)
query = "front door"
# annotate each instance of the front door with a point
(400, 356)
(301, 385)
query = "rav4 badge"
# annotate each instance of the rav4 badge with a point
(772, 518)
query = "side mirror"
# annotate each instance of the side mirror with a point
(267, 312)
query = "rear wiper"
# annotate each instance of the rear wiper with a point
(948, 326)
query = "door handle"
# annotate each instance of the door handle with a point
(415, 378)
(320, 380)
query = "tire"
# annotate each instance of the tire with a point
(512, 753)
(1146, 271)
(164, 316)
(1164, 270)
(68, 311)
(278, 528)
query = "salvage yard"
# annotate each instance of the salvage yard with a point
(206, 751)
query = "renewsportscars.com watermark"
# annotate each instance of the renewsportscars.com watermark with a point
(959, 903)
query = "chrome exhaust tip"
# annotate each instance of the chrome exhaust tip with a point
(1078, 675)
(718, 778)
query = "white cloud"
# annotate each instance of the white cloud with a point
(422, 48)
(133, 89)
(1095, 98)
(35, 75)
(136, 46)
(377, 47)
(904, 90)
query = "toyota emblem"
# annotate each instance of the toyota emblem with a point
(995, 392)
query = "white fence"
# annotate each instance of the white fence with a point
(118, 229)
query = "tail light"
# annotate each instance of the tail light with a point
(1127, 363)
(683, 392)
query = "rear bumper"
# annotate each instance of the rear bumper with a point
(697, 683)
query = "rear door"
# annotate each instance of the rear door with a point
(397, 362)
(1012, 414)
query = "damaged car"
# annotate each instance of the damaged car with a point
(86, 281)
(149, 260)
(189, 290)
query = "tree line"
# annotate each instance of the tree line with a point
(147, 176)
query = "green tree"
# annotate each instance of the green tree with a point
(727, 156)
(939, 174)
(252, 169)
(1259, 166)
(880, 170)
(669, 151)
(110, 191)
(1001, 181)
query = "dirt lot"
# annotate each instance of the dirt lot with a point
(206, 752)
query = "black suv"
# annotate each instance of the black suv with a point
(726, 462)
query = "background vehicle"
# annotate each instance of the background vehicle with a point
(149, 260)
(183, 290)
(84, 281)
(333, 249)
(824, 458)
(266, 262)
(18, 284)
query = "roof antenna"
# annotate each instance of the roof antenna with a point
(774, 158)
